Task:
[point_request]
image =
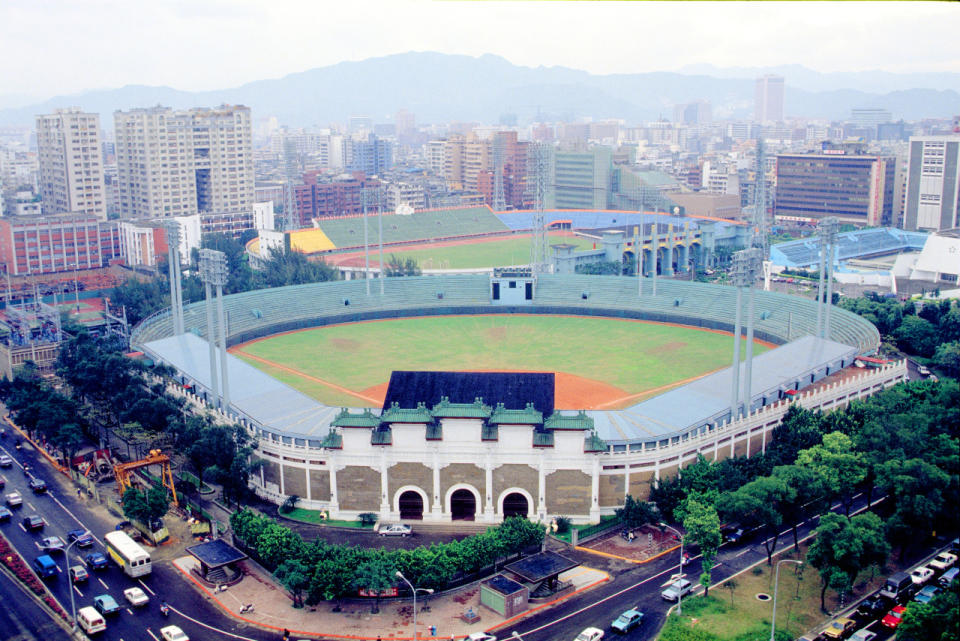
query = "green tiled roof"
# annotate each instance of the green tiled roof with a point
(365, 419)
(434, 432)
(489, 433)
(593, 443)
(542, 439)
(527, 416)
(397, 414)
(579, 421)
(381, 437)
(332, 441)
(476, 409)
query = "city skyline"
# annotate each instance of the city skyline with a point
(246, 40)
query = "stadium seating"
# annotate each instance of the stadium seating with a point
(854, 244)
(422, 225)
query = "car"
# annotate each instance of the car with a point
(926, 594)
(5, 461)
(943, 561)
(5, 514)
(173, 633)
(921, 575)
(52, 544)
(78, 574)
(136, 597)
(590, 634)
(80, 537)
(923, 370)
(873, 606)
(734, 536)
(480, 636)
(14, 499)
(397, 529)
(954, 547)
(863, 635)
(840, 628)
(37, 486)
(3, 481)
(893, 617)
(627, 621)
(677, 590)
(106, 604)
(96, 561)
(33, 523)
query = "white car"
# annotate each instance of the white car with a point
(14, 499)
(921, 575)
(943, 561)
(136, 597)
(481, 636)
(923, 371)
(173, 633)
(863, 635)
(397, 529)
(590, 634)
(676, 591)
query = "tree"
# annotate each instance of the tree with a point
(837, 463)
(375, 575)
(145, 507)
(799, 429)
(278, 543)
(760, 504)
(916, 336)
(730, 585)
(947, 357)
(916, 489)
(938, 620)
(805, 496)
(703, 528)
(843, 547)
(667, 496)
(396, 266)
(294, 575)
(636, 513)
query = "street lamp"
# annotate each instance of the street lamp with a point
(66, 558)
(679, 592)
(773, 620)
(399, 575)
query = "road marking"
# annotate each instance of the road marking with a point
(75, 518)
(78, 590)
(30, 505)
(210, 627)
(745, 550)
(103, 583)
(146, 587)
(152, 635)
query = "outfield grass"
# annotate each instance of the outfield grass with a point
(494, 253)
(632, 356)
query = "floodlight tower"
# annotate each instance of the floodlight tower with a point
(754, 267)
(172, 229)
(539, 258)
(213, 272)
(827, 230)
(760, 224)
(499, 200)
(745, 267)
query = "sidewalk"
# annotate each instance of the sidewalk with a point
(273, 610)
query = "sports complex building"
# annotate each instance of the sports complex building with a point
(450, 445)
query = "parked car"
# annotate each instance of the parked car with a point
(948, 577)
(52, 544)
(627, 621)
(78, 574)
(173, 633)
(106, 604)
(921, 575)
(590, 634)
(481, 636)
(923, 370)
(863, 635)
(5, 461)
(96, 561)
(926, 594)
(898, 587)
(873, 606)
(954, 547)
(33, 523)
(676, 591)
(14, 499)
(893, 617)
(943, 561)
(83, 538)
(136, 597)
(37, 486)
(5, 514)
(840, 628)
(396, 529)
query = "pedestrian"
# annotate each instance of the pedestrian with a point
(78, 492)
(286, 635)
(433, 630)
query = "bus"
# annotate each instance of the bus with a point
(128, 554)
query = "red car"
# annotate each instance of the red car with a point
(894, 617)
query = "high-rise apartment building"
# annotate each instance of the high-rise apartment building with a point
(932, 198)
(579, 179)
(768, 104)
(71, 165)
(180, 163)
(372, 155)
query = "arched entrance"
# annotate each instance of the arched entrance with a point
(515, 504)
(463, 505)
(411, 505)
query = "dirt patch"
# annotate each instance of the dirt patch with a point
(495, 333)
(666, 347)
(647, 543)
(345, 344)
(378, 392)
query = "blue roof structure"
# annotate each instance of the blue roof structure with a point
(862, 243)
(517, 220)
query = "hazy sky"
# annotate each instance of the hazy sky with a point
(50, 47)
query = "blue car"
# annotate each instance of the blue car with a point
(926, 594)
(96, 561)
(82, 537)
(106, 604)
(627, 621)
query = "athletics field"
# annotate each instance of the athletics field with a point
(600, 363)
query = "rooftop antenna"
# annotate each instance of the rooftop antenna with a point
(538, 247)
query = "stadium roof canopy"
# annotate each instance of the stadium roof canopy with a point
(706, 401)
(596, 219)
(513, 389)
(863, 243)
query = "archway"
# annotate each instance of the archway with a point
(515, 504)
(463, 505)
(410, 505)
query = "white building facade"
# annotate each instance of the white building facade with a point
(71, 164)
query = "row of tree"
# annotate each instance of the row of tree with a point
(930, 329)
(321, 571)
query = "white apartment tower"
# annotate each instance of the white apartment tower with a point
(932, 195)
(71, 164)
(768, 105)
(180, 163)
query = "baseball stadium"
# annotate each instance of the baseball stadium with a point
(481, 392)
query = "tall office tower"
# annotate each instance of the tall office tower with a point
(179, 163)
(71, 165)
(406, 123)
(933, 183)
(768, 105)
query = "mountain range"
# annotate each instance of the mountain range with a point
(441, 87)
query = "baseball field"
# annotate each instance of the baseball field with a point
(600, 363)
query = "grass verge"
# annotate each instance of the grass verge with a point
(314, 516)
